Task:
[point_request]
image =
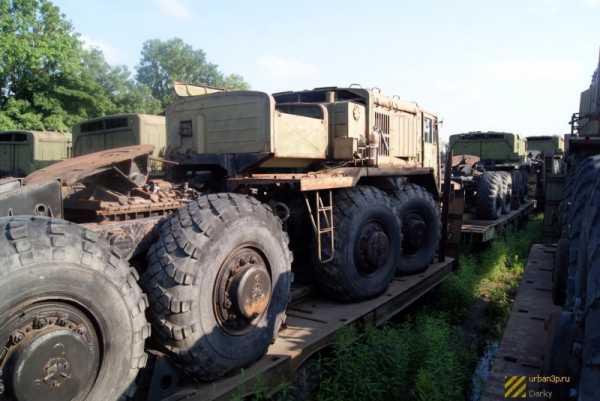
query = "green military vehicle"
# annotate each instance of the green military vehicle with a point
(335, 186)
(22, 152)
(119, 130)
(492, 168)
(573, 333)
(546, 144)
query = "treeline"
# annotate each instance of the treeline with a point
(49, 79)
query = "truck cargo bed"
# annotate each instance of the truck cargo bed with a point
(478, 231)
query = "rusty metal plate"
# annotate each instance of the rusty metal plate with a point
(465, 159)
(73, 170)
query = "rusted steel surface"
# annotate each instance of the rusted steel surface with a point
(71, 171)
(341, 177)
(521, 350)
(132, 237)
(465, 159)
(486, 230)
(311, 325)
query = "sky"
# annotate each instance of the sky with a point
(516, 66)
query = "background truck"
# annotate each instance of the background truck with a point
(22, 152)
(493, 170)
(546, 144)
(334, 186)
(119, 130)
(574, 334)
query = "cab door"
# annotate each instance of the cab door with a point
(431, 154)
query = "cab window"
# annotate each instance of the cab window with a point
(428, 130)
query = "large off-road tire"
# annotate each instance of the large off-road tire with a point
(560, 272)
(367, 245)
(587, 289)
(583, 182)
(72, 316)
(517, 181)
(507, 191)
(421, 223)
(490, 201)
(218, 282)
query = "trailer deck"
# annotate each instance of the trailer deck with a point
(521, 351)
(478, 231)
(312, 325)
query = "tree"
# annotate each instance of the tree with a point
(163, 62)
(48, 80)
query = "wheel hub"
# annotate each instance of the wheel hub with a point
(52, 354)
(250, 291)
(374, 247)
(242, 291)
(416, 232)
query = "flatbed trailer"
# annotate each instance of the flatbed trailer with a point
(312, 325)
(522, 349)
(479, 231)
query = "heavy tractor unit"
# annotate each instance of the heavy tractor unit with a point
(492, 169)
(574, 333)
(337, 187)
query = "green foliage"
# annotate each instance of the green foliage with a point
(163, 62)
(432, 355)
(50, 80)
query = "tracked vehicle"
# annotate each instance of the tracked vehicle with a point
(334, 186)
(573, 334)
(492, 169)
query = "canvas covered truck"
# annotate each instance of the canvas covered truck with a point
(338, 187)
(574, 333)
(22, 152)
(492, 169)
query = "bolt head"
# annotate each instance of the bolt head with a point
(40, 322)
(16, 337)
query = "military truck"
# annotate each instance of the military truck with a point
(493, 170)
(546, 144)
(338, 186)
(119, 130)
(22, 152)
(573, 334)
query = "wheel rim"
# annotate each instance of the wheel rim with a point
(52, 352)
(414, 230)
(242, 290)
(373, 248)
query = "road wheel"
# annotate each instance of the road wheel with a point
(367, 249)
(420, 218)
(72, 316)
(219, 282)
(490, 201)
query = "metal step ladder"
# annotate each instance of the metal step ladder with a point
(321, 217)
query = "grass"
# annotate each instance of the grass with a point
(431, 354)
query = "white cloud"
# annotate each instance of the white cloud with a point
(284, 68)
(111, 54)
(173, 8)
